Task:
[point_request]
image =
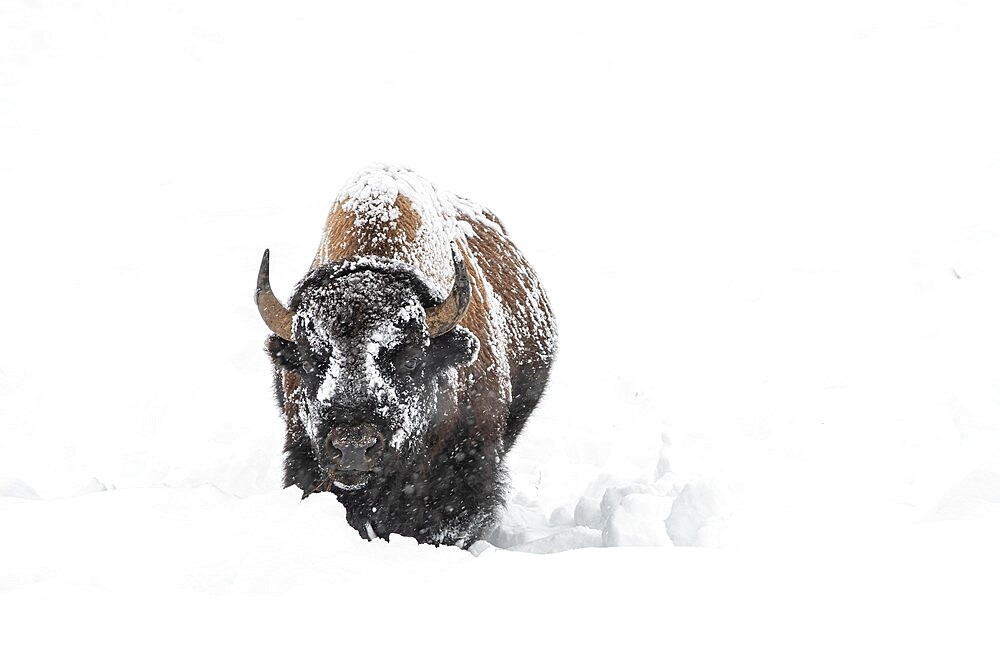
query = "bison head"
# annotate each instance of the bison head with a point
(370, 350)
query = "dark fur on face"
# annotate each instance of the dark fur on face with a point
(362, 356)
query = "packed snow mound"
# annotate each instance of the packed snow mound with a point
(15, 488)
(975, 498)
(655, 509)
(699, 516)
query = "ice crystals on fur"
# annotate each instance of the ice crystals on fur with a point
(358, 359)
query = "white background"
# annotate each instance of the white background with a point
(770, 234)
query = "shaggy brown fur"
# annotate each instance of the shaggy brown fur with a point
(450, 491)
(491, 258)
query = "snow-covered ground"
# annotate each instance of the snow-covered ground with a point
(771, 235)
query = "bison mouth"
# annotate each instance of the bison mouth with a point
(340, 480)
(350, 481)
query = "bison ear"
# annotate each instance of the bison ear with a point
(283, 353)
(458, 347)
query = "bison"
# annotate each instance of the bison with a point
(408, 359)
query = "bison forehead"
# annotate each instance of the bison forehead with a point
(369, 308)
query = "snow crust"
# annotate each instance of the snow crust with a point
(372, 192)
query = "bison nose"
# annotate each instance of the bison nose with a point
(354, 448)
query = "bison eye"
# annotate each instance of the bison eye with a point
(311, 363)
(411, 364)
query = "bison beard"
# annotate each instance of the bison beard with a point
(398, 398)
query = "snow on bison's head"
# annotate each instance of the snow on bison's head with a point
(368, 356)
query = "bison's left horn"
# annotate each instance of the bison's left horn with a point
(277, 318)
(442, 319)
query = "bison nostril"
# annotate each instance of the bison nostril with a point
(353, 448)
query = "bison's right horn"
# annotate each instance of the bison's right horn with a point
(277, 318)
(442, 319)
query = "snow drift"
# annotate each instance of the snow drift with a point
(787, 211)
